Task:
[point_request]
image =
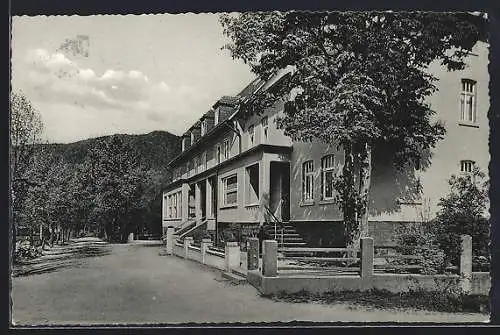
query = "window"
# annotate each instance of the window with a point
(218, 154)
(468, 101)
(196, 163)
(307, 180)
(263, 122)
(466, 166)
(225, 149)
(230, 190)
(327, 177)
(252, 184)
(174, 206)
(204, 162)
(192, 137)
(189, 167)
(251, 135)
(203, 127)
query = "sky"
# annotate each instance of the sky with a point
(131, 74)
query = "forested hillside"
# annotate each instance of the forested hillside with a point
(108, 186)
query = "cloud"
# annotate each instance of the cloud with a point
(55, 78)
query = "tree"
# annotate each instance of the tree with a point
(26, 128)
(358, 79)
(116, 178)
(463, 212)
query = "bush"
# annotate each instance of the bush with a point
(25, 251)
(462, 212)
(417, 239)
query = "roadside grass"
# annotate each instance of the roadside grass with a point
(383, 299)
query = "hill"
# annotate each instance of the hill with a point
(154, 149)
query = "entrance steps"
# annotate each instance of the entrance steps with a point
(286, 235)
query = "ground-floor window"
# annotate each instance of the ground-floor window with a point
(230, 190)
(307, 180)
(252, 184)
(327, 177)
(174, 205)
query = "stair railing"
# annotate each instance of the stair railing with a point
(276, 221)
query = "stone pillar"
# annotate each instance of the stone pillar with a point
(466, 264)
(232, 256)
(130, 237)
(265, 175)
(185, 202)
(209, 204)
(253, 253)
(187, 242)
(367, 254)
(170, 240)
(205, 243)
(197, 201)
(270, 258)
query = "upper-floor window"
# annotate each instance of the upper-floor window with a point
(225, 149)
(327, 177)
(251, 135)
(204, 161)
(265, 128)
(467, 165)
(218, 153)
(197, 164)
(468, 101)
(192, 137)
(230, 190)
(307, 180)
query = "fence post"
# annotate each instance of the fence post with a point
(253, 253)
(367, 255)
(205, 243)
(232, 256)
(130, 238)
(187, 242)
(170, 240)
(270, 258)
(466, 263)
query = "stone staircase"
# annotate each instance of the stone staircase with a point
(286, 235)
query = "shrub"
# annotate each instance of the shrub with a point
(25, 251)
(417, 239)
(463, 211)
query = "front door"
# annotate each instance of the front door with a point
(280, 190)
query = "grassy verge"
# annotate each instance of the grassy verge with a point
(420, 300)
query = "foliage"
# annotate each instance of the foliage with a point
(463, 211)
(383, 299)
(357, 80)
(417, 239)
(25, 251)
(26, 128)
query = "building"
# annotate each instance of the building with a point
(231, 166)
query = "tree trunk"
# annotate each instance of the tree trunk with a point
(365, 166)
(348, 199)
(365, 173)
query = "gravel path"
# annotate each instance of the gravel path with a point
(134, 284)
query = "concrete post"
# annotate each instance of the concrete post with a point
(466, 264)
(209, 200)
(270, 258)
(205, 243)
(187, 242)
(197, 201)
(170, 240)
(232, 256)
(130, 237)
(184, 202)
(367, 254)
(253, 253)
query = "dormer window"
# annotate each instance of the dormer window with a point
(203, 127)
(192, 137)
(185, 143)
(216, 117)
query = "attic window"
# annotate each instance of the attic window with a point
(203, 127)
(216, 116)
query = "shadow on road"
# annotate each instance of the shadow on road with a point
(62, 257)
